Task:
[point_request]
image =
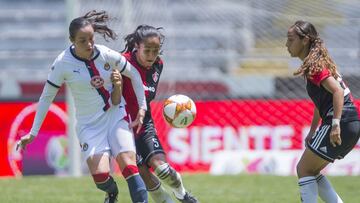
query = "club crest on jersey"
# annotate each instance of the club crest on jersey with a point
(97, 81)
(155, 76)
(107, 66)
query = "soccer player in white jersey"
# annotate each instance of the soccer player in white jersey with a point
(92, 73)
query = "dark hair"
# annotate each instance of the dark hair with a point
(97, 20)
(318, 57)
(140, 34)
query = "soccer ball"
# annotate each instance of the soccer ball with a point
(179, 111)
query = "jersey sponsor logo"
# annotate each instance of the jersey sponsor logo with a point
(155, 76)
(97, 81)
(151, 89)
(107, 66)
(76, 71)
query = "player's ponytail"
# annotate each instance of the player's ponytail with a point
(318, 57)
(140, 34)
(97, 20)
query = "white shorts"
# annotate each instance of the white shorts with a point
(109, 134)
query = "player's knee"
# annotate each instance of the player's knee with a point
(157, 160)
(166, 173)
(304, 170)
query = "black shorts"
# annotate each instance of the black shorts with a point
(147, 144)
(320, 142)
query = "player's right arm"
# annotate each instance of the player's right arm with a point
(47, 96)
(314, 124)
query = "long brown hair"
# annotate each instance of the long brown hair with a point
(140, 34)
(318, 57)
(97, 20)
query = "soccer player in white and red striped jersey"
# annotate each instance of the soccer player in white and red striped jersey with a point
(142, 50)
(92, 73)
(340, 124)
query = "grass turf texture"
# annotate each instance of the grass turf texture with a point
(208, 189)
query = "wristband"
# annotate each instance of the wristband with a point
(335, 121)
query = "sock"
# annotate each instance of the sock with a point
(308, 189)
(160, 195)
(326, 191)
(106, 183)
(172, 179)
(136, 185)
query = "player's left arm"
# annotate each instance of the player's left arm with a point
(334, 87)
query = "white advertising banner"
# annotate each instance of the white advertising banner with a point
(276, 162)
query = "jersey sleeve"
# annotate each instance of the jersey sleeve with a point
(56, 75)
(46, 98)
(318, 77)
(136, 81)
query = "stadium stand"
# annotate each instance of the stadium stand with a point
(232, 44)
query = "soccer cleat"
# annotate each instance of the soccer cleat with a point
(111, 198)
(188, 198)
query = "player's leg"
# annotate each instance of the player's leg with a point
(154, 186)
(171, 177)
(149, 147)
(350, 132)
(130, 171)
(318, 154)
(123, 148)
(99, 168)
(96, 150)
(145, 146)
(308, 167)
(326, 192)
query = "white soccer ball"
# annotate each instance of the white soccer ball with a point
(179, 111)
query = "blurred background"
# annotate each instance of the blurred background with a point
(229, 56)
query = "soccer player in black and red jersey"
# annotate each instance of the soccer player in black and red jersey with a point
(142, 50)
(340, 125)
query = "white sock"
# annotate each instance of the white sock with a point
(326, 191)
(160, 195)
(308, 189)
(172, 178)
(179, 191)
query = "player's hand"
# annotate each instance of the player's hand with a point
(335, 138)
(24, 140)
(116, 78)
(138, 121)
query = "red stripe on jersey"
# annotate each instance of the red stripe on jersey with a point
(102, 91)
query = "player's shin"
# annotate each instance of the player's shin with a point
(136, 185)
(172, 178)
(308, 189)
(106, 183)
(159, 194)
(326, 191)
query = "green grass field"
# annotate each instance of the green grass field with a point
(208, 189)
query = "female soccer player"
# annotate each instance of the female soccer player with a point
(92, 73)
(142, 50)
(340, 127)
